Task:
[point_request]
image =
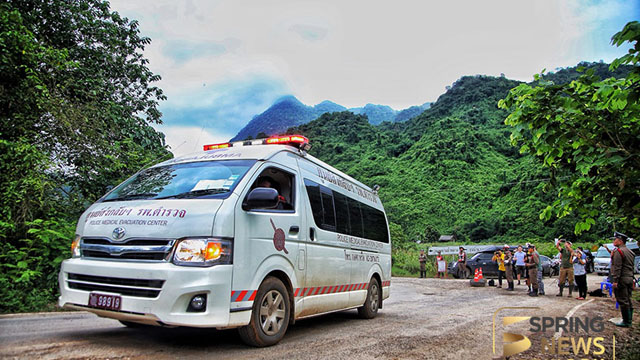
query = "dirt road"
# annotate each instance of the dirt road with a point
(423, 319)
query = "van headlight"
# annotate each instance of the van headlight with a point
(203, 252)
(75, 247)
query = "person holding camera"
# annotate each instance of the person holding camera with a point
(566, 268)
(580, 272)
(498, 257)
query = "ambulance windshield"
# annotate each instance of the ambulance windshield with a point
(205, 179)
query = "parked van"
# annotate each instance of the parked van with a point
(251, 235)
(603, 258)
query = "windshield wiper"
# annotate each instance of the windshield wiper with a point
(132, 196)
(199, 192)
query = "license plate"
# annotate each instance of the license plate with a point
(104, 301)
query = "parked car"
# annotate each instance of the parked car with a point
(602, 259)
(555, 265)
(547, 269)
(481, 259)
(489, 267)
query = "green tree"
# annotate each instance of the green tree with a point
(76, 108)
(431, 234)
(587, 133)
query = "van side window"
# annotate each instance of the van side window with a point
(313, 191)
(337, 212)
(374, 223)
(328, 210)
(321, 201)
(355, 217)
(283, 182)
(342, 213)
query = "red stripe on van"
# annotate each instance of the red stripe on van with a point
(295, 294)
(241, 296)
(324, 290)
(253, 295)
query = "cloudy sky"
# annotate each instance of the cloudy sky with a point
(224, 61)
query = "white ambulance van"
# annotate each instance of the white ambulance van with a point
(251, 235)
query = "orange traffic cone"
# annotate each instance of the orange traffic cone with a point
(480, 275)
(475, 276)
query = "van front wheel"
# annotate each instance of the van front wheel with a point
(371, 305)
(269, 316)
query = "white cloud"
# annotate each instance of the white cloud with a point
(183, 140)
(360, 51)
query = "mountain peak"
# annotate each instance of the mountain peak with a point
(328, 106)
(288, 99)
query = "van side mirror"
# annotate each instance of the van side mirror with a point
(261, 198)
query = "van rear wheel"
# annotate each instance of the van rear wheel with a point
(371, 305)
(269, 316)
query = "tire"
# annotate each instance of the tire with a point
(269, 316)
(371, 305)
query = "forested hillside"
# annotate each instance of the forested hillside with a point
(450, 170)
(288, 111)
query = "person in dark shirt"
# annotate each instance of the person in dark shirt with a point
(622, 277)
(566, 267)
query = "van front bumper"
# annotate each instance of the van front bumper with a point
(152, 293)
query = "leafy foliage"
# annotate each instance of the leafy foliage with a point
(450, 170)
(76, 104)
(587, 133)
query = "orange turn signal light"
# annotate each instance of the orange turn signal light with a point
(213, 251)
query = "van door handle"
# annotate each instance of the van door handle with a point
(294, 230)
(312, 234)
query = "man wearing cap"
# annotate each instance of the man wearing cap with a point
(508, 267)
(622, 277)
(532, 266)
(462, 263)
(566, 268)
(423, 264)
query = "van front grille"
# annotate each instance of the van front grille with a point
(138, 249)
(147, 288)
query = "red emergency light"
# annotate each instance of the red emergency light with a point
(217, 146)
(294, 140)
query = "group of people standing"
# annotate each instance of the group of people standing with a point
(441, 265)
(520, 264)
(525, 264)
(572, 269)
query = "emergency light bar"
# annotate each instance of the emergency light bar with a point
(297, 141)
(217, 146)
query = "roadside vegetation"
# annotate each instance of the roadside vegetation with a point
(76, 104)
